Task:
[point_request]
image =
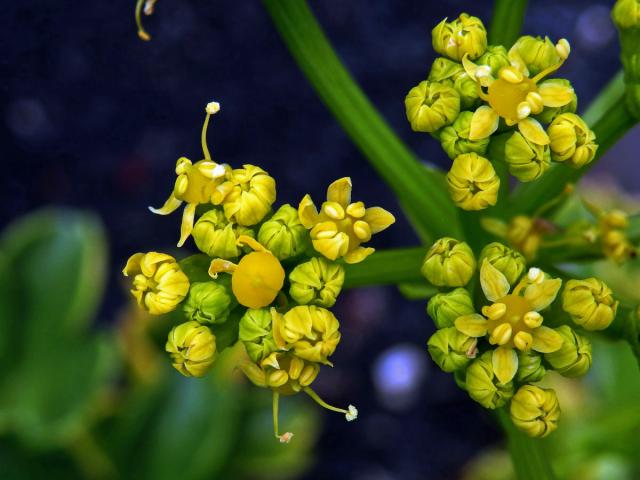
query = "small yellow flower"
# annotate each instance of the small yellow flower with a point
(451, 350)
(283, 372)
(316, 282)
(283, 234)
(525, 234)
(538, 54)
(513, 96)
(246, 195)
(465, 35)
(159, 284)
(512, 321)
(341, 226)
(484, 386)
(590, 303)
(444, 308)
(573, 359)
(431, 105)
(473, 183)
(626, 13)
(535, 410)
(257, 279)
(509, 262)
(572, 140)
(613, 236)
(527, 160)
(214, 235)
(455, 138)
(256, 333)
(195, 185)
(449, 263)
(192, 347)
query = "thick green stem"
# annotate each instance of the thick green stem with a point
(387, 267)
(420, 189)
(506, 24)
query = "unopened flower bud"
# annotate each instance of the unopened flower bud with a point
(445, 71)
(256, 333)
(590, 303)
(217, 237)
(209, 302)
(192, 348)
(467, 88)
(444, 308)
(535, 410)
(527, 161)
(483, 386)
(449, 263)
(159, 284)
(431, 105)
(316, 282)
(571, 140)
(472, 182)
(495, 58)
(530, 368)
(549, 114)
(283, 234)
(450, 349)
(509, 262)
(455, 138)
(574, 357)
(626, 14)
(464, 35)
(538, 54)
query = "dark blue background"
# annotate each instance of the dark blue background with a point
(94, 118)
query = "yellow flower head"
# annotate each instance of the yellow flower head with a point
(196, 183)
(512, 321)
(246, 195)
(449, 263)
(192, 347)
(590, 303)
(159, 284)
(214, 235)
(283, 372)
(311, 332)
(473, 183)
(341, 226)
(525, 234)
(572, 140)
(535, 410)
(257, 279)
(513, 95)
(431, 105)
(614, 239)
(465, 35)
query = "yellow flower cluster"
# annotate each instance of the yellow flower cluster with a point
(500, 348)
(481, 98)
(233, 292)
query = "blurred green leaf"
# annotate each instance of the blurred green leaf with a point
(506, 23)
(387, 267)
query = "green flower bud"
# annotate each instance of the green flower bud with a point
(527, 160)
(431, 105)
(449, 263)
(192, 348)
(495, 58)
(216, 237)
(256, 333)
(535, 410)
(283, 234)
(316, 282)
(483, 386)
(465, 34)
(460, 377)
(537, 54)
(443, 69)
(530, 368)
(571, 140)
(626, 14)
(444, 308)
(549, 114)
(467, 88)
(451, 350)
(455, 138)
(509, 262)
(574, 357)
(590, 303)
(209, 302)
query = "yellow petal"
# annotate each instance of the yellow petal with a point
(219, 265)
(546, 340)
(332, 248)
(505, 363)
(307, 212)
(340, 191)
(483, 123)
(555, 95)
(494, 284)
(187, 222)
(473, 325)
(516, 61)
(148, 263)
(171, 205)
(133, 264)
(533, 131)
(378, 219)
(358, 255)
(541, 295)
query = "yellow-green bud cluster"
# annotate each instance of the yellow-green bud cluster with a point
(487, 104)
(626, 16)
(499, 349)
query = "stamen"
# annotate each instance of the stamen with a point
(287, 436)
(350, 414)
(532, 319)
(534, 99)
(495, 311)
(563, 48)
(535, 275)
(523, 341)
(523, 109)
(212, 108)
(501, 334)
(511, 75)
(141, 31)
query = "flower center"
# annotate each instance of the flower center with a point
(504, 96)
(511, 321)
(257, 279)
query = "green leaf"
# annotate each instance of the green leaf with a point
(421, 191)
(508, 16)
(386, 267)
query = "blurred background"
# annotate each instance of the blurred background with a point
(93, 120)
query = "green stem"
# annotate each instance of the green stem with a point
(612, 93)
(527, 454)
(387, 267)
(420, 189)
(508, 16)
